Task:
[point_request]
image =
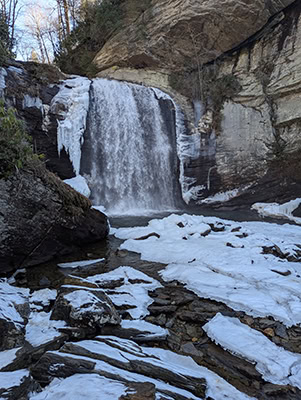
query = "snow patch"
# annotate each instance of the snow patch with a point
(278, 210)
(18, 71)
(133, 293)
(227, 266)
(42, 298)
(147, 329)
(82, 387)
(275, 364)
(79, 264)
(79, 184)
(29, 101)
(221, 196)
(100, 208)
(7, 357)
(12, 379)
(40, 329)
(11, 296)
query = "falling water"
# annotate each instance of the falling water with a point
(129, 153)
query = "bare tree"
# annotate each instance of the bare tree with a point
(38, 25)
(10, 10)
(63, 17)
(74, 10)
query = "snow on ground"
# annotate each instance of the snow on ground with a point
(14, 378)
(79, 264)
(11, 296)
(133, 292)
(227, 266)
(278, 210)
(82, 387)
(7, 357)
(275, 364)
(149, 330)
(40, 329)
(41, 298)
(79, 184)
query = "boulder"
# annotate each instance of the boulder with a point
(89, 309)
(42, 217)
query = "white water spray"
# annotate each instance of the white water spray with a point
(133, 162)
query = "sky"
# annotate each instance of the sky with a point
(25, 42)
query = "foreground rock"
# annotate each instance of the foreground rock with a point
(87, 309)
(41, 217)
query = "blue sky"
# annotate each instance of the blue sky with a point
(25, 42)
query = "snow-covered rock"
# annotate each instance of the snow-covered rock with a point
(85, 308)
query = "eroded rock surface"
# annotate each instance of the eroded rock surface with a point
(42, 217)
(165, 34)
(87, 309)
(258, 141)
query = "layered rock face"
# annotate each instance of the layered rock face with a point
(165, 35)
(260, 125)
(42, 217)
(265, 117)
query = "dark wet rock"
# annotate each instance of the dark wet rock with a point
(42, 217)
(161, 319)
(274, 250)
(168, 309)
(11, 335)
(52, 365)
(206, 232)
(280, 392)
(87, 309)
(140, 391)
(148, 236)
(238, 372)
(297, 211)
(161, 302)
(218, 227)
(242, 236)
(44, 282)
(189, 348)
(236, 229)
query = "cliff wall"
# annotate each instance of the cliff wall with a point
(259, 45)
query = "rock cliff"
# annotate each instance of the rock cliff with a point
(30, 87)
(166, 33)
(258, 44)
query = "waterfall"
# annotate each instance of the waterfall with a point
(129, 155)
